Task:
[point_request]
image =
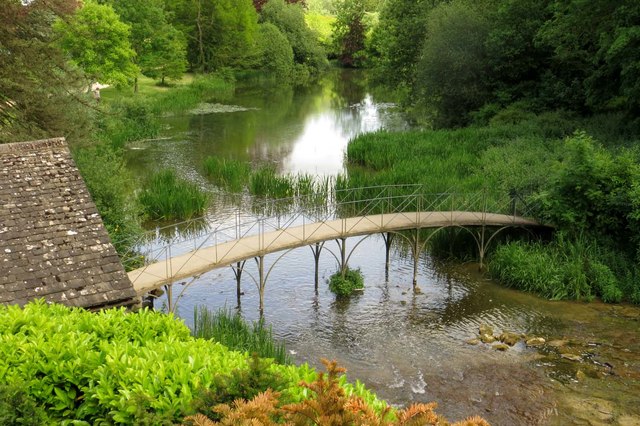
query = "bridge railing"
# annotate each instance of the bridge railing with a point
(279, 215)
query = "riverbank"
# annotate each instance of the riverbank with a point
(566, 177)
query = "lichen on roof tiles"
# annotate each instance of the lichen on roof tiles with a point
(53, 243)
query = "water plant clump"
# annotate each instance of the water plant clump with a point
(344, 283)
(265, 182)
(165, 196)
(563, 269)
(231, 330)
(228, 174)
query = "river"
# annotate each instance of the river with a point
(406, 346)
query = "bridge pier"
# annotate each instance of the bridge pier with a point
(237, 272)
(168, 288)
(482, 248)
(261, 281)
(388, 240)
(342, 243)
(316, 250)
(416, 257)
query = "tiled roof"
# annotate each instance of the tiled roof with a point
(53, 243)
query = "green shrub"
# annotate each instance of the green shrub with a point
(232, 331)
(114, 367)
(346, 282)
(605, 283)
(276, 52)
(110, 184)
(166, 197)
(19, 408)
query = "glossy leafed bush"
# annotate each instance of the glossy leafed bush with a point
(125, 368)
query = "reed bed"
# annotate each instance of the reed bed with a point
(563, 269)
(231, 175)
(235, 333)
(167, 197)
(265, 182)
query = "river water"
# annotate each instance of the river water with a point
(406, 346)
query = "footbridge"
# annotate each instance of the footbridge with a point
(257, 229)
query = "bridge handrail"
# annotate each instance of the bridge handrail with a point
(332, 208)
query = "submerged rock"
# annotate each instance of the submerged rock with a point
(487, 338)
(473, 342)
(485, 329)
(558, 343)
(536, 341)
(501, 347)
(509, 338)
(571, 357)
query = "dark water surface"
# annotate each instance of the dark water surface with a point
(406, 346)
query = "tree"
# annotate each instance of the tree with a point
(289, 18)
(220, 33)
(98, 42)
(396, 40)
(39, 91)
(164, 55)
(517, 61)
(451, 80)
(349, 32)
(276, 52)
(596, 61)
(160, 48)
(259, 4)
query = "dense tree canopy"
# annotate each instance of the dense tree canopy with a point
(40, 94)
(289, 19)
(98, 42)
(574, 54)
(349, 32)
(451, 73)
(160, 48)
(219, 33)
(396, 41)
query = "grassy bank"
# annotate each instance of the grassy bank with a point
(566, 177)
(128, 115)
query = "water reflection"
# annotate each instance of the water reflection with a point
(300, 130)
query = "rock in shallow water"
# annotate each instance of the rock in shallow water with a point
(535, 341)
(485, 329)
(509, 338)
(487, 338)
(571, 357)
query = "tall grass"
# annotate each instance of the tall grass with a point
(265, 182)
(165, 196)
(231, 175)
(563, 269)
(235, 333)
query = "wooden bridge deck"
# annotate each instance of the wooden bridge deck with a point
(198, 261)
